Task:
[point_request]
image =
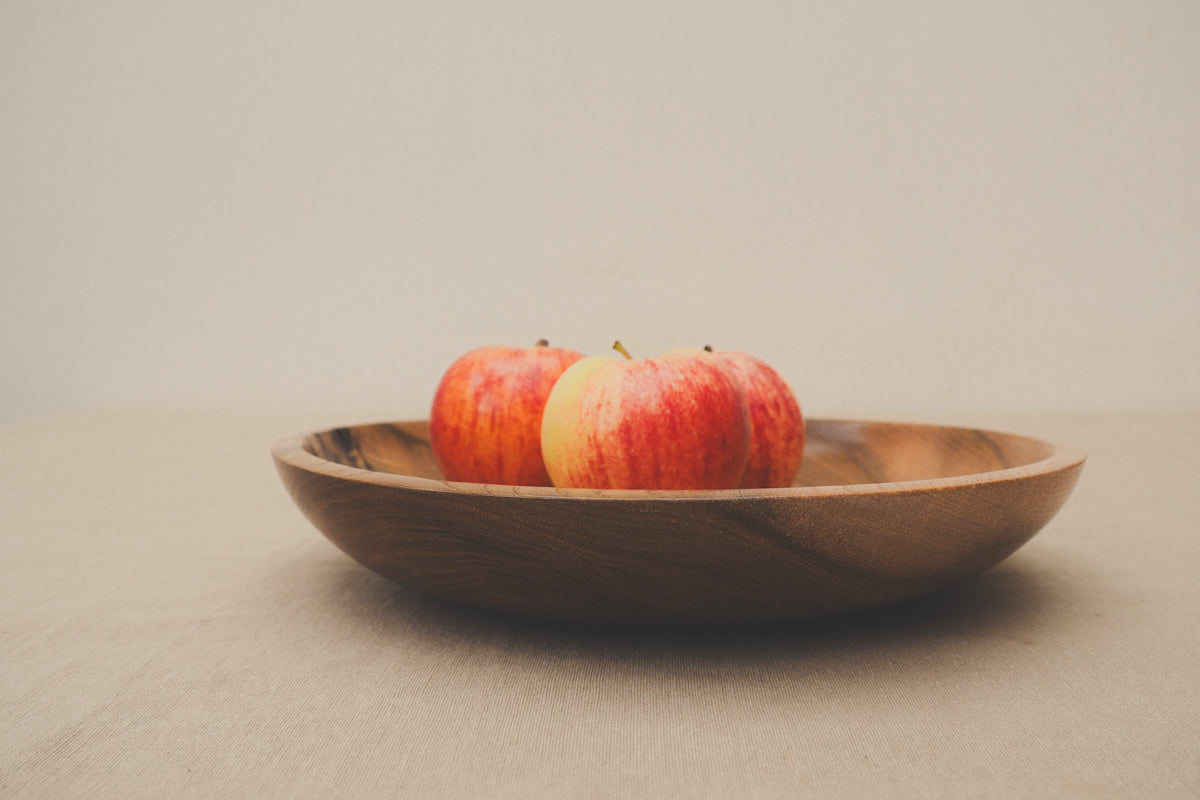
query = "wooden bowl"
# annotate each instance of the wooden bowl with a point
(880, 512)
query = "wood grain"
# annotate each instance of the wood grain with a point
(880, 512)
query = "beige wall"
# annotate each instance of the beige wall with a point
(912, 209)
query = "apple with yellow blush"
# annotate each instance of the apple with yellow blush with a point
(674, 421)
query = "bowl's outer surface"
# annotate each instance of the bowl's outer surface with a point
(881, 512)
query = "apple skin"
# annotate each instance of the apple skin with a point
(486, 421)
(675, 421)
(777, 443)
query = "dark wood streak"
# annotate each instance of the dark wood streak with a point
(341, 446)
(881, 512)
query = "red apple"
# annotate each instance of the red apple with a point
(676, 421)
(486, 421)
(777, 444)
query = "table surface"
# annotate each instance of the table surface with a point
(172, 626)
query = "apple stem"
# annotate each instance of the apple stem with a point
(542, 343)
(620, 348)
(708, 348)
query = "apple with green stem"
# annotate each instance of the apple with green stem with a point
(486, 422)
(675, 421)
(777, 443)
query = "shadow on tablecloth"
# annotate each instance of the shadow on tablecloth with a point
(1013, 605)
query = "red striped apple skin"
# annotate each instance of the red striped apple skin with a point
(674, 421)
(777, 440)
(486, 421)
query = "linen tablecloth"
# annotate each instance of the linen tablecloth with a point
(171, 626)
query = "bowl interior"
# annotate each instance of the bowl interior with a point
(837, 452)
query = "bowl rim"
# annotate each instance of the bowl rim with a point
(1061, 456)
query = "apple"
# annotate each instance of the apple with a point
(486, 422)
(777, 442)
(675, 421)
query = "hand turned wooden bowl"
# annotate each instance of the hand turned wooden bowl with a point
(880, 512)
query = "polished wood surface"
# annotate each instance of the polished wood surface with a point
(880, 512)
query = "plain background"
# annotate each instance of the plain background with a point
(911, 209)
